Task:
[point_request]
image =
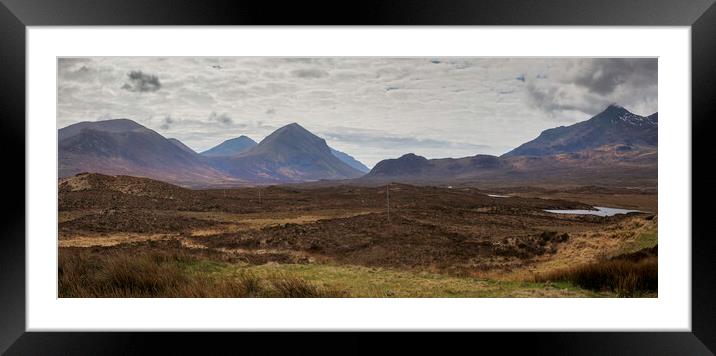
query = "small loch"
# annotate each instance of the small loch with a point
(601, 211)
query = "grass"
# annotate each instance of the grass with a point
(642, 241)
(627, 277)
(117, 273)
(161, 274)
(370, 282)
(168, 272)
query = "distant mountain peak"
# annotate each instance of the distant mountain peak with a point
(614, 125)
(290, 154)
(125, 147)
(112, 125)
(290, 128)
(231, 147)
(350, 160)
(615, 107)
(616, 111)
(412, 156)
(409, 163)
(615, 114)
(292, 136)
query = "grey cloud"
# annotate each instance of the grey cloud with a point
(407, 143)
(221, 118)
(559, 100)
(65, 63)
(521, 77)
(604, 75)
(141, 82)
(82, 73)
(587, 86)
(167, 123)
(309, 73)
(453, 102)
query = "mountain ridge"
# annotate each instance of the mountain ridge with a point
(127, 148)
(616, 142)
(289, 154)
(614, 125)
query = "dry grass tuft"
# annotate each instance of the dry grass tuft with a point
(167, 274)
(631, 275)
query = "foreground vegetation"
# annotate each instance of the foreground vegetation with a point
(134, 237)
(169, 269)
(629, 275)
(177, 273)
(168, 275)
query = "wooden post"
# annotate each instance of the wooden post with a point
(387, 199)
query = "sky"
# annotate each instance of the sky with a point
(371, 108)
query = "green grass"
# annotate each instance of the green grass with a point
(367, 282)
(127, 274)
(644, 240)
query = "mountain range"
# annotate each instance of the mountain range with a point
(289, 154)
(613, 146)
(123, 147)
(614, 126)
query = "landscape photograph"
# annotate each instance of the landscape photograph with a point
(357, 177)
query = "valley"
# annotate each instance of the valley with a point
(289, 216)
(459, 241)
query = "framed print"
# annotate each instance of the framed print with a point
(444, 167)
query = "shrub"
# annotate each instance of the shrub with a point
(625, 277)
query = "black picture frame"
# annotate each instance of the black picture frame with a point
(16, 15)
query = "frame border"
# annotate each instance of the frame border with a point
(15, 15)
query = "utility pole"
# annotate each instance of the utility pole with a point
(387, 199)
(259, 196)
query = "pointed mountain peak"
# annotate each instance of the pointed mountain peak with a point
(242, 138)
(292, 127)
(293, 134)
(291, 154)
(615, 110)
(616, 114)
(613, 126)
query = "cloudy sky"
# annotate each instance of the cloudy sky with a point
(371, 108)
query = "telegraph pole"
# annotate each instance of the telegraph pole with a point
(387, 199)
